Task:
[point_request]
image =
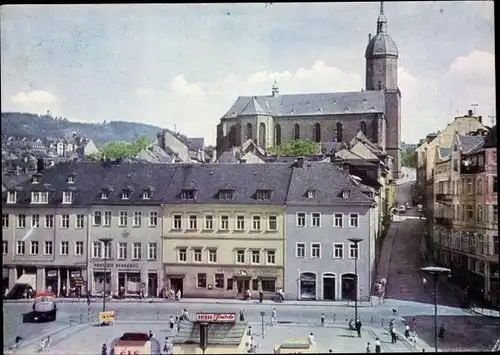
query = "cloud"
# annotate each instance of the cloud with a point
(476, 63)
(36, 97)
(181, 87)
(142, 91)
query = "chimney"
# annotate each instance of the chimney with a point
(369, 37)
(299, 163)
(480, 119)
(40, 165)
(470, 113)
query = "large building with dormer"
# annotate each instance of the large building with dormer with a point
(271, 120)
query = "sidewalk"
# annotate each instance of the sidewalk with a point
(375, 301)
(485, 312)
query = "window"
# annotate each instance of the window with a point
(353, 251)
(230, 284)
(201, 280)
(470, 212)
(11, 197)
(96, 250)
(33, 248)
(495, 184)
(67, 197)
(479, 213)
(49, 221)
(362, 127)
(182, 255)
(353, 220)
(317, 133)
(219, 281)
(177, 222)
(146, 195)
(80, 220)
(212, 255)
(193, 222)
(97, 218)
(197, 255)
(268, 285)
(152, 251)
(5, 247)
(79, 248)
(240, 223)
(122, 250)
(301, 219)
(469, 186)
(136, 221)
(346, 193)
(263, 195)
(48, 248)
(21, 247)
(240, 256)
(316, 250)
(226, 194)
(224, 222)
(5, 220)
(255, 284)
(296, 132)
(122, 222)
(187, 195)
(107, 250)
(136, 251)
(338, 132)
(39, 197)
(495, 213)
(21, 221)
(209, 222)
(256, 223)
(153, 219)
(107, 219)
(104, 194)
(35, 221)
(338, 251)
(272, 223)
(65, 221)
(315, 219)
(495, 245)
(271, 257)
(64, 248)
(71, 179)
(125, 194)
(35, 179)
(311, 193)
(337, 220)
(300, 250)
(255, 256)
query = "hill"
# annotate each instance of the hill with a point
(43, 126)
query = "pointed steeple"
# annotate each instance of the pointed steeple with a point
(381, 21)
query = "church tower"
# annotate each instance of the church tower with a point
(382, 74)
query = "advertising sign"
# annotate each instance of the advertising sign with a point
(216, 317)
(106, 317)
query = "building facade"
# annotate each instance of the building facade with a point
(326, 207)
(223, 230)
(326, 117)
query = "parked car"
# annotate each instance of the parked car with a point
(420, 208)
(44, 307)
(407, 205)
(402, 209)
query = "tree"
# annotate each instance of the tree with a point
(295, 148)
(115, 150)
(409, 158)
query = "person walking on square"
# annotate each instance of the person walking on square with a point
(242, 316)
(104, 350)
(358, 327)
(171, 322)
(407, 331)
(368, 349)
(393, 335)
(274, 320)
(377, 345)
(322, 319)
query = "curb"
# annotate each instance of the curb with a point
(486, 315)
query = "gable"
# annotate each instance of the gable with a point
(363, 151)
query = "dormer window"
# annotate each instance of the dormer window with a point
(146, 195)
(346, 193)
(39, 197)
(11, 197)
(263, 195)
(311, 193)
(187, 194)
(67, 197)
(226, 194)
(126, 194)
(35, 179)
(71, 179)
(104, 194)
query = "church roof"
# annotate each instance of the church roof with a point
(253, 108)
(381, 45)
(311, 104)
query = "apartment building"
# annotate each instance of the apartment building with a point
(466, 220)
(325, 207)
(223, 229)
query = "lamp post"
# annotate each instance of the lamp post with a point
(436, 271)
(356, 242)
(104, 241)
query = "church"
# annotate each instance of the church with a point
(275, 119)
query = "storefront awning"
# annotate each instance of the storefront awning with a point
(27, 279)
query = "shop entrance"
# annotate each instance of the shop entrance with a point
(329, 287)
(307, 284)
(176, 284)
(242, 285)
(152, 284)
(99, 282)
(349, 287)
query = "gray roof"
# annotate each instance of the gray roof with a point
(227, 158)
(12, 180)
(328, 181)
(196, 143)
(467, 143)
(311, 104)
(218, 334)
(253, 108)
(291, 159)
(380, 45)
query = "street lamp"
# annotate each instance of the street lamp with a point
(436, 271)
(105, 241)
(356, 241)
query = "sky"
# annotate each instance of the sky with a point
(182, 66)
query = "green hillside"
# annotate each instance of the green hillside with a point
(43, 126)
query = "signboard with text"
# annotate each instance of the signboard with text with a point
(106, 317)
(216, 317)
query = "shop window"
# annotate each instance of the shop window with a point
(268, 285)
(230, 284)
(202, 280)
(219, 280)
(255, 285)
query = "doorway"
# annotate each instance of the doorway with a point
(329, 287)
(242, 285)
(176, 284)
(349, 287)
(153, 284)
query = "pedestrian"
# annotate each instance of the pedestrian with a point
(311, 339)
(441, 332)
(358, 327)
(393, 335)
(368, 350)
(171, 322)
(394, 311)
(151, 336)
(178, 295)
(322, 319)
(274, 320)
(424, 281)
(185, 315)
(104, 350)
(377, 345)
(242, 316)
(261, 296)
(407, 331)
(17, 342)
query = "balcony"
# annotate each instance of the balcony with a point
(444, 197)
(445, 222)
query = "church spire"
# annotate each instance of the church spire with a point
(381, 21)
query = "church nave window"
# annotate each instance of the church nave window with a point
(317, 133)
(296, 132)
(249, 132)
(277, 134)
(338, 132)
(362, 126)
